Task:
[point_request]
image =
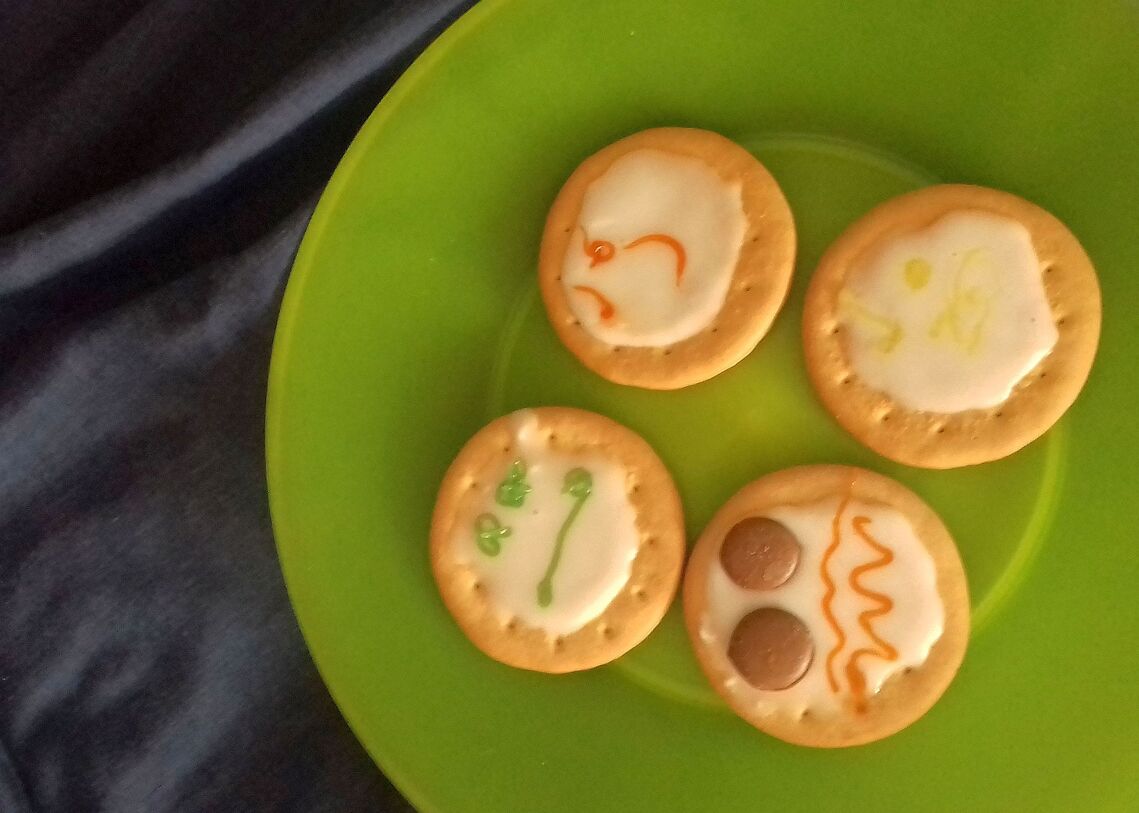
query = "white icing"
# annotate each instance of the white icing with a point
(599, 547)
(910, 580)
(903, 339)
(650, 192)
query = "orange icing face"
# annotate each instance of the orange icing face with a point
(661, 234)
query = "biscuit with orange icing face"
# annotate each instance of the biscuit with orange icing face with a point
(827, 605)
(666, 257)
(951, 326)
(557, 539)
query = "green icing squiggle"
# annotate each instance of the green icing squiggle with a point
(579, 485)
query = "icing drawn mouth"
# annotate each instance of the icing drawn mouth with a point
(607, 310)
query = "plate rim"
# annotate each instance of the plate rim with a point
(284, 331)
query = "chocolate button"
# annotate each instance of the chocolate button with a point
(759, 553)
(771, 649)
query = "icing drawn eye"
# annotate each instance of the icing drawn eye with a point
(489, 533)
(771, 649)
(598, 251)
(512, 491)
(759, 553)
(887, 332)
(917, 272)
(672, 244)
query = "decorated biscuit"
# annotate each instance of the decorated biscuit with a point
(951, 326)
(827, 605)
(557, 539)
(666, 257)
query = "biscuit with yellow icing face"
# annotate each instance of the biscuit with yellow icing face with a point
(557, 539)
(951, 326)
(666, 257)
(827, 605)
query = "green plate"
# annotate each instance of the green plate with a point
(412, 318)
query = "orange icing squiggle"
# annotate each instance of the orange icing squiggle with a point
(607, 309)
(885, 604)
(671, 242)
(828, 597)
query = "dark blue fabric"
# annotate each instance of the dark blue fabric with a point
(159, 160)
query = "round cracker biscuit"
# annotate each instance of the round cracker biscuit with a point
(925, 573)
(526, 468)
(755, 292)
(940, 440)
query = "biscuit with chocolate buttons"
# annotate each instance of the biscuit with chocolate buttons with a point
(827, 605)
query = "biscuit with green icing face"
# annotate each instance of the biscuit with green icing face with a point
(827, 605)
(557, 539)
(951, 326)
(666, 257)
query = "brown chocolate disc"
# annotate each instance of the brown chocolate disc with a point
(759, 553)
(771, 649)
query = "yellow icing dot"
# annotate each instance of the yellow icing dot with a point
(916, 273)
